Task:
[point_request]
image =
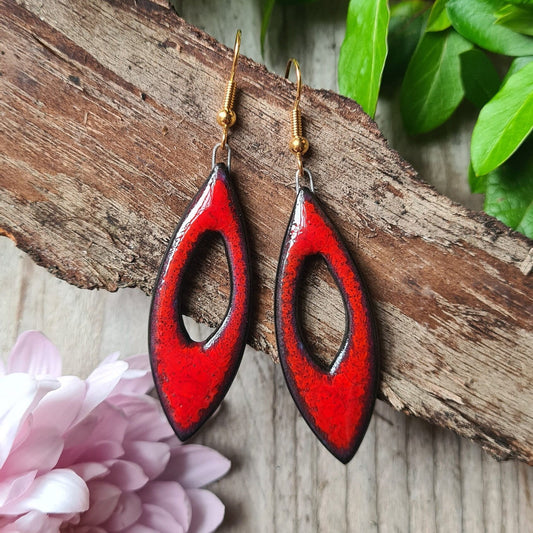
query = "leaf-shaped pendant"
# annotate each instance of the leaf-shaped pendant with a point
(336, 401)
(193, 377)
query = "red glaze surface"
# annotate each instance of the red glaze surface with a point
(337, 402)
(192, 377)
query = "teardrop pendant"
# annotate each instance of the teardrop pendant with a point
(337, 402)
(193, 377)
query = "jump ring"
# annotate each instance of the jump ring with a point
(217, 146)
(309, 176)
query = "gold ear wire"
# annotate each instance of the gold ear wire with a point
(298, 144)
(236, 50)
(226, 116)
(291, 62)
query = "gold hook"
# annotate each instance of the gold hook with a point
(236, 51)
(298, 144)
(291, 62)
(226, 116)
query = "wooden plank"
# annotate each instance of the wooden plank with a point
(108, 134)
(93, 324)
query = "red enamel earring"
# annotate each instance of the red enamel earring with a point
(193, 377)
(337, 400)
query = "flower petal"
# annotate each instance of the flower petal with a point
(58, 491)
(111, 358)
(11, 488)
(126, 475)
(194, 465)
(33, 522)
(207, 511)
(139, 528)
(127, 512)
(19, 393)
(105, 450)
(60, 407)
(90, 471)
(171, 496)
(104, 498)
(34, 354)
(111, 423)
(138, 378)
(40, 451)
(160, 520)
(139, 362)
(151, 456)
(97, 437)
(147, 421)
(102, 380)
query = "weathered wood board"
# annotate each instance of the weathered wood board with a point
(408, 476)
(107, 125)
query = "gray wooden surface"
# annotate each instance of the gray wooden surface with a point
(407, 476)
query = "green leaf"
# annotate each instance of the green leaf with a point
(403, 13)
(521, 2)
(480, 78)
(438, 18)
(516, 65)
(406, 25)
(504, 122)
(432, 87)
(478, 184)
(516, 18)
(362, 54)
(265, 21)
(509, 194)
(526, 224)
(475, 20)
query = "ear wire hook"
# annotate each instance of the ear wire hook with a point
(298, 144)
(226, 116)
(236, 51)
(291, 62)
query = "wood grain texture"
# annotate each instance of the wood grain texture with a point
(107, 128)
(408, 476)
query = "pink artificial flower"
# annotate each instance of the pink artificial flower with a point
(95, 455)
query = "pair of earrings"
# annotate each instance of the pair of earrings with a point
(193, 377)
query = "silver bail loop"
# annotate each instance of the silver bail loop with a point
(214, 159)
(309, 176)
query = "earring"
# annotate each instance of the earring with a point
(193, 377)
(336, 400)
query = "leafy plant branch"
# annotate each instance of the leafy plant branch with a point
(440, 53)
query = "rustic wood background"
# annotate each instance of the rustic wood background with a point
(108, 123)
(408, 476)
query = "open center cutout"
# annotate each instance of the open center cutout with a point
(206, 286)
(321, 311)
